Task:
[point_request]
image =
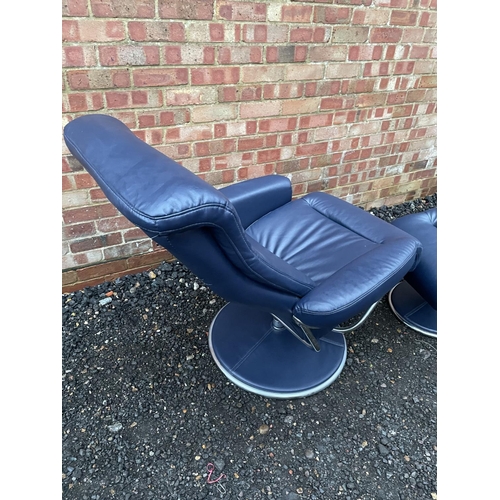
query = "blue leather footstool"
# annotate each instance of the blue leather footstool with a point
(414, 300)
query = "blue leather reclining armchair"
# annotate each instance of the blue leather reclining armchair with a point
(292, 271)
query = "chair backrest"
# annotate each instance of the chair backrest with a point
(181, 212)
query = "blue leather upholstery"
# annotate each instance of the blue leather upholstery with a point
(423, 226)
(414, 300)
(317, 260)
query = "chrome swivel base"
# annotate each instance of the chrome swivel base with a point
(409, 306)
(264, 359)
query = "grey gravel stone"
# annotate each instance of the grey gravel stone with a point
(383, 450)
(219, 464)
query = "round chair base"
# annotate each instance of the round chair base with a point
(409, 306)
(271, 362)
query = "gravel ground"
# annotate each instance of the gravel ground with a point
(145, 408)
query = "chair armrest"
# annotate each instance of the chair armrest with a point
(254, 198)
(355, 287)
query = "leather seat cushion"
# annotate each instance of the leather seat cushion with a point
(323, 234)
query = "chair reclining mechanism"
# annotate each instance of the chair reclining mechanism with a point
(292, 271)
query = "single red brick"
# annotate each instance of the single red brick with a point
(277, 124)
(141, 134)
(268, 155)
(220, 130)
(301, 106)
(400, 111)
(333, 53)
(228, 94)
(139, 97)
(251, 127)
(176, 117)
(301, 34)
(134, 235)
(98, 79)
(303, 137)
(365, 52)
(77, 102)
(160, 77)
(73, 56)
(173, 54)
(117, 99)
(376, 68)
(386, 35)
(93, 30)
(108, 55)
(216, 31)
(250, 144)
(312, 149)
(404, 17)
(75, 8)
(123, 8)
(305, 72)
(100, 270)
(242, 11)
(86, 244)
(396, 98)
(404, 67)
(70, 31)
(271, 140)
(397, 52)
(255, 33)
(113, 224)
(227, 176)
(237, 33)
(315, 121)
(78, 231)
(78, 80)
(208, 55)
(296, 13)
(127, 249)
(332, 103)
(180, 9)
(204, 164)
(240, 55)
(215, 147)
(288, 90)
(377, 99)
(190, 96)
(156, 31)
(84, 181)
(428, 81)
(67, 183)
(428, 19)
(332, 15)
(413, 35)
(127, 117)
(154, 136)
(263, 73)
(215, 76)
(146, 121)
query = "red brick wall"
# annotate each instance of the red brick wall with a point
(339, 95)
